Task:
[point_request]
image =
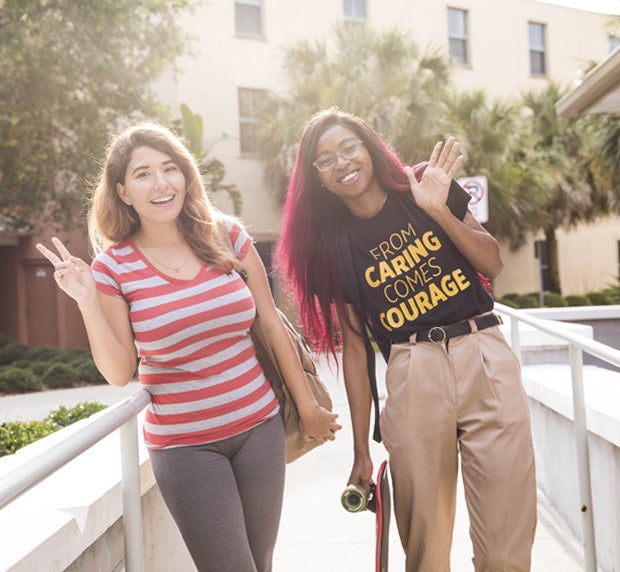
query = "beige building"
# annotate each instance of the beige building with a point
(503, 46)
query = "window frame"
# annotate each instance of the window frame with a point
(245, 149)
(540, 51)
(460, 37)
(350, 9)
(247, 33)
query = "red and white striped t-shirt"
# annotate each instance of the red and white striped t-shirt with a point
(196, 356)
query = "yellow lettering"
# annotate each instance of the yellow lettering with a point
(436, 294)
(461, 281)
(399, 265)
(385, 271)
(431, 241)
(423, 302)
(368, 276)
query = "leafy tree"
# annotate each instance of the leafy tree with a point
(579, 190)
(69, 73)
(496, 142)
(213, 169)
(379, 76)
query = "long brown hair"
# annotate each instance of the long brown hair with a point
(110, 220)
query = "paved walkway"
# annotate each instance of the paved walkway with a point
(316, 533)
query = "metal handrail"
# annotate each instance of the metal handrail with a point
(122, 415)
(577, 344)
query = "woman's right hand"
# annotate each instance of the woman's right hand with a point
(361, 473)
(72, 274)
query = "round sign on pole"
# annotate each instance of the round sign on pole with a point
(478, 188)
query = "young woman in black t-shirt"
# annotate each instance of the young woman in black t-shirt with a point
(378, 250)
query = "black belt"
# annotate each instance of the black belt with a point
(439, 334)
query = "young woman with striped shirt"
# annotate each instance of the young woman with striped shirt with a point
(164, 288)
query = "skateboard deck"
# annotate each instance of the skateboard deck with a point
(383, 511)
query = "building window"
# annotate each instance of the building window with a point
(354, 10)
(457, 35)
(248, 17)
(612, 43)
(249, 100)
(537, 48)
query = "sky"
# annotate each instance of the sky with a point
(603, 6)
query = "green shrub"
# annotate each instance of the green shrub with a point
(554, 300)
(40, 367)
(12, 353)
(527, 301)
(511, 296)
(59, 375)
(599, 298)
(46, 354)
(16, 380)
(64, 416)
(4, 341)
(17, 434)
(510, 302)
(578, 300)
(87, 371)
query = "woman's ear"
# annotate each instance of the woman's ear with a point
(122, 193)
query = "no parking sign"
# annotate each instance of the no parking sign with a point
(477, 187)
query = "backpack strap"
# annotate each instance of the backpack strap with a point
(350, 290)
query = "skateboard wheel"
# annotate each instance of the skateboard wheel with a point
(353, 499)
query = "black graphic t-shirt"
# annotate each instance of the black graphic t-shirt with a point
(410, 275)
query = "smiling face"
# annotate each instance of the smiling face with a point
(154, 186)
(352, 176)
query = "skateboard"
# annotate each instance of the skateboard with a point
(379, 501)
(383, 510)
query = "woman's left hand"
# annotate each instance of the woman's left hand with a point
(317, 423)
(431, 193)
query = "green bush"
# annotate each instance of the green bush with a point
(510, 302)
(87, 371)
(4, 340)
(554, 300)
(46, 354)
(59, 375)
(527, 301)
(17, 434)
(16, 380)
(599, 298)
(12, 353)
(64, 416)
(578, 300)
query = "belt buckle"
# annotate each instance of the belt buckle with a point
(441, 331)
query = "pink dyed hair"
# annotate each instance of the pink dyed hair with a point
(307, 251)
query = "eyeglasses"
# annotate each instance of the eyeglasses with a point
(348, 150)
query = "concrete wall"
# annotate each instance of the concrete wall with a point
(72, 520)
(549, 389)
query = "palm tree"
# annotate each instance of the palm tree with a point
(379, 76)
(579, 191)
(495, 140)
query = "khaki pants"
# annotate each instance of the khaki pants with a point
(464, 396)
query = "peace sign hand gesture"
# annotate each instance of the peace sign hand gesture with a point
(72, 274)
(431, 193)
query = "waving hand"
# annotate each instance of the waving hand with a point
(431, 193)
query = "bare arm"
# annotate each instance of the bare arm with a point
(359, 396)
(431, 194)
(106, 318)
(318, 423)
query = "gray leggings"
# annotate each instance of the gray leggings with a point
(226, 497)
